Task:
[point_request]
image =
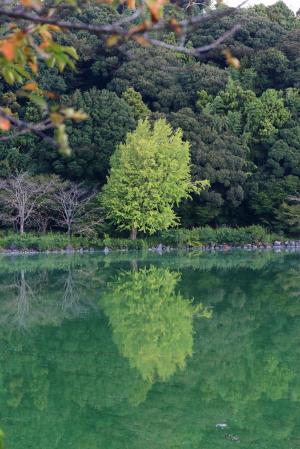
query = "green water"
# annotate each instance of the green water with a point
(150, 351)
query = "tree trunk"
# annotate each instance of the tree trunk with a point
(21, 227)
(133, 234)
(134, 265)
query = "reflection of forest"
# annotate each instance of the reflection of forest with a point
(46, 293)
(66, 384)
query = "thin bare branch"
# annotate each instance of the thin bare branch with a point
(38, 19)
(115, 27)
(199, 50)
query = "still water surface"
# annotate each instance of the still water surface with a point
(172, 351)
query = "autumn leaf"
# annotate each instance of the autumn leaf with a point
(131, 4)
(12, 25)
(141, 40)
(30, 86)
(112, 40)
(44, 44)
(55, 28)
(156, 9)
(56, 118)
(231, 60)
(33, 66)
(51, 95)
(174, 25)
(140, 28)
(4, 124)
(7, 48)
(34, 4)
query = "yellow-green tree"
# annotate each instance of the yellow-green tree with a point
(150, 174)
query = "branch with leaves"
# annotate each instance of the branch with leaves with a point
(28, 34)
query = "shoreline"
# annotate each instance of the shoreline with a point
(288, 246)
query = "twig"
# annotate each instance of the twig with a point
(199, 50)
(25, 127)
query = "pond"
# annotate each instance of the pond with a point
(146, 351)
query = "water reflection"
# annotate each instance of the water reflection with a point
(110, 377)
(152, 323)
(41, 294)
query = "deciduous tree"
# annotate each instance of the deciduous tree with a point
(71, 203)
(21, 195)
(150, 174)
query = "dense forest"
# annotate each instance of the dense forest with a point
(241, 118)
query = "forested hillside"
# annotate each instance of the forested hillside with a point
(240, 116)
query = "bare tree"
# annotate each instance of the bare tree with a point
(74, 209)
(21, 195)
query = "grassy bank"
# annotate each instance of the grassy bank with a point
(175, 238)
(45, 242)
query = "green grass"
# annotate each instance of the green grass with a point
(178, 238)
(45, 242)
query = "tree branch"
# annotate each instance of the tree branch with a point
(37, 19)
(25, 127)
(199, 50)
(116, 27)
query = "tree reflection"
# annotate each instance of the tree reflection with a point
(70, 380)
(16, 310)
(71, 303)
(42, 297)
(25, 294)
(152, 324)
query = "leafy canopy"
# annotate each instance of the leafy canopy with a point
(149, 174)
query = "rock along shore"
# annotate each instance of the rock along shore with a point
(288, 245)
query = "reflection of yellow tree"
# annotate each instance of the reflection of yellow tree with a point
(152, 324)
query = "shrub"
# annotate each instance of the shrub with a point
(223, 235)
(46, 242)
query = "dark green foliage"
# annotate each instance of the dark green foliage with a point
(257, 32)
(221, 158)
(177, 238)
(94, 140)
(289, 217)
(164, 81)
(243, 125)
(223, 235)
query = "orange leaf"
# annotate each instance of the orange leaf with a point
(156, 9)
(54, 28)
(31, 85)
(51, 95)
(139, 28)
(231, 60)
(34, 4)
(33, 66)
(131, 4)
(4, 124)
(174, 25)
(7, 48)
(44, 44)
(141, 40)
